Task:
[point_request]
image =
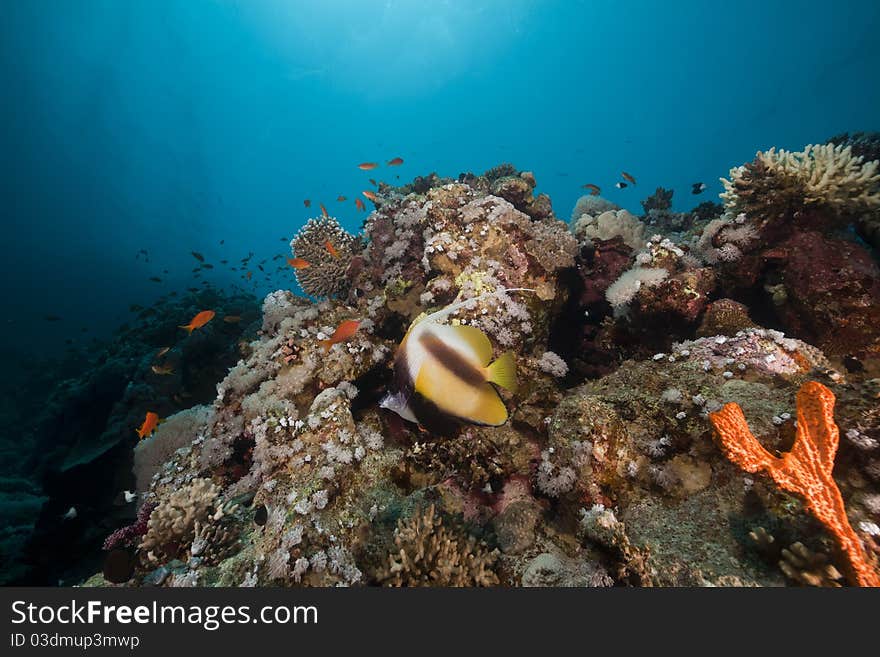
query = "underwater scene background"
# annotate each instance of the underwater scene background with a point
(319, 175)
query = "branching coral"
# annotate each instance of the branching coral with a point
(824, 177)
(173, 522)
(432, 555)
(326, 274)
(805, 470)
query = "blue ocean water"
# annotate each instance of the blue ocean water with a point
(136, 133)
(170, 126)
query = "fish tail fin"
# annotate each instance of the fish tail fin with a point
(189, 329)
(502, 372)
(326, 344)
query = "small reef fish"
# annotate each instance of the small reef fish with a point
(52, 318)
(594, 189)
(129, 496)
(324, 210)
(628, 177)
(163, 350)
(232, 319)
(162, 370)
(341, 198)
(331, 249)
(155, 279)
(370, 195)
(448, 368)
(367, 166)
(250, 275)
(342, 333)
(698, 188)
(620, 185)
(151, 421)
(396, 162)
(198, 256)
(199, 320)
(359, 204)
(70, 514)
(373, 183)
(307, 203)
(298, 263)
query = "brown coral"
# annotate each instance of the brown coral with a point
(805, 470)
(429, 554)
(326, 274)
(172, 524)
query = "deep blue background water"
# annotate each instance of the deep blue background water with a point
(171, 125)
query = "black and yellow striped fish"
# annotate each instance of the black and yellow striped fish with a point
(448, 370)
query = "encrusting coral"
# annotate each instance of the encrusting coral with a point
(805, 470)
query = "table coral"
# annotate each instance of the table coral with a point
(805, 470)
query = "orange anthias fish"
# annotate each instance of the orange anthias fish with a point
(162, 370)
(199, 320)
(307, 203)
(367, 166)
(250, 275)
(370, 195)
(396, 162)
(324, 210)
(359, 204)
(628, 177)
(151, 421)
(341, 198)
(298, 263)
(162, 352)
(331, 249)
(232, 319)
(342, 333)
(594, 189)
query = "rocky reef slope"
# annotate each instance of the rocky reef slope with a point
(607, 473)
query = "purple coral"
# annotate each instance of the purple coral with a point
(125, 536)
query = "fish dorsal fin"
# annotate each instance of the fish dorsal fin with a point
(466, 339)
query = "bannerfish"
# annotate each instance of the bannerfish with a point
(367, 166)
(199, 320)
(359, 204)
(370, 195)
(151, 421)
(342, 333)
(628, 177)
(298, 263)
(698, 188)
(396, 162)
(620, 185)
(594, 189)
(449, 369)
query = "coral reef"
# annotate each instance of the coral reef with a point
(629, 335)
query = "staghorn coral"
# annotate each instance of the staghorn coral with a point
(429, 554)
(825, 178)
(805, 470)
(326, 274)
